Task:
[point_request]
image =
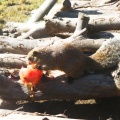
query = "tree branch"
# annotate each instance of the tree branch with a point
(42, 11)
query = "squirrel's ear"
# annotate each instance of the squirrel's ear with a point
(35, 53)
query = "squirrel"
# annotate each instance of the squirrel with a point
(69, 59)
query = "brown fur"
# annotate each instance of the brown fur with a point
(72, 61)
(65, 57)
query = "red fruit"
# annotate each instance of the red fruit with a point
(30, 75)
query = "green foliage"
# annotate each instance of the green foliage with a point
(17, 10)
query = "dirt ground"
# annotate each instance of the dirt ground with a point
(107, 109)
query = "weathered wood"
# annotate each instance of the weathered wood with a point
(93, 3)
(86, 87)
(12, 90)
(87, 64)
(12, 60)
(82, 24)
(31, 29)
(14, 114)
(37, 31)
(54, 26)
(96, 23)
(23, 46)
(102, 2)
(41, 11)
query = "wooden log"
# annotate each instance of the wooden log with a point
(37, 31)
(12, 60)
(23, 30)
(82, 25)
(42, 11)
(96, 23)
(88, 64)
(93, 3)
(103, 2)
(12, 90)
(86, 87)
(76, 39)
(60, 25)
(21, 46)
(14, 114)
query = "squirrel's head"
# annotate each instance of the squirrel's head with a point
(42, 57)
(35, 56)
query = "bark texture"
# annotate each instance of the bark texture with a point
(87, 87)
(65, 21)
(12, 60)
(23, 46)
